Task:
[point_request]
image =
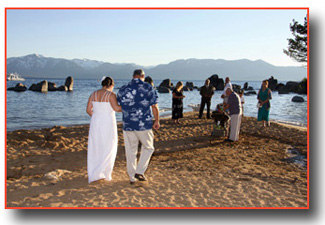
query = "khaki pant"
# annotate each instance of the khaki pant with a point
(131, 141)
(235, 121)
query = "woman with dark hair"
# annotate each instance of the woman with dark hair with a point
(264, 96)
(177, 105)
(102, 139)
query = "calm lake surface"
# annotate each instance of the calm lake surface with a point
(34, 110)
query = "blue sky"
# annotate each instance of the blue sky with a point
(152, 37)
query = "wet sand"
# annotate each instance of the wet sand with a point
(48, 168)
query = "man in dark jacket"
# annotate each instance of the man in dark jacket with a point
(206, 92)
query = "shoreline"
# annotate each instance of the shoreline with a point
(189, 168)
(291, 125)
(284, 123)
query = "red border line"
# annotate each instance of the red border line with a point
(149, 8)
(5, 108)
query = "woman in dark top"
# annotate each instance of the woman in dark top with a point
(177, 106)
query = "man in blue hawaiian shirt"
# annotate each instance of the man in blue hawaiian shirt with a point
(136, 98)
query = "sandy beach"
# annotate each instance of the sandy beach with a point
(48, 168)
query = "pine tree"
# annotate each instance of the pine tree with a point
(297, 47)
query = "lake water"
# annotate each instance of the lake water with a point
(34, 110)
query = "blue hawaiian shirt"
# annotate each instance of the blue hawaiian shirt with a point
(136, 98)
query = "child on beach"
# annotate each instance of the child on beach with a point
(177, 103)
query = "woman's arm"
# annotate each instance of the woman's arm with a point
(112, 99)
(89, 109)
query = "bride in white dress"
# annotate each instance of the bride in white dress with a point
(102, 139)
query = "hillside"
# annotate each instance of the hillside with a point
(35, 65)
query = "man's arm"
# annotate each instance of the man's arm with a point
(155, 111)
(226, 107)
(212, 91)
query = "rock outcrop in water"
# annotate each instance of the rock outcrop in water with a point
(166, 86)
(69, 83)
(216, 82)
(190, 85)
(297, 99)
(272, 83)
(293, 87)
(44, 86)
(62, 88)
(166, 83)
(18, 88)
(163, 90)
(149, 80)
(40, 87)
(51, 86)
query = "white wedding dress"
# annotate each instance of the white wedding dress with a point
(102, 140)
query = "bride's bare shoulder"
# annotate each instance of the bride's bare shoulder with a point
(113, 94)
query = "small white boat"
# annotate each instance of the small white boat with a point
(15, 76)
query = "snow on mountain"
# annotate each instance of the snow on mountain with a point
(87, 63)
(29, 61)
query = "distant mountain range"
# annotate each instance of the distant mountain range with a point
(38, 66)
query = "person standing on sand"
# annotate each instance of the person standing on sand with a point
(136, 98)
(264, 96)
(242, 101)
(177, 103)
(102, 139)
(234, 107)
(224, 94)
(206, 91)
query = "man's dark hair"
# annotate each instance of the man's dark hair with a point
(138, 72)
